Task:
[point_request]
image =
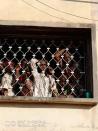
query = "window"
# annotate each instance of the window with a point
(45, 62)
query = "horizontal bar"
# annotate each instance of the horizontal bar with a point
(52, 100)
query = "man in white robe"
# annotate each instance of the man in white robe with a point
(6, 81)
(6, 84)
(44, 85)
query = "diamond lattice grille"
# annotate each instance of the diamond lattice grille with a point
(60, 68)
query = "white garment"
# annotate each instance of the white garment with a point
(6, 83)
(52, 82)
(42, 82)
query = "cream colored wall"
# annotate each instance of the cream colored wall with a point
(94, 13)
(53, 118)
(94, 117)
(22, 11)
(48, 118)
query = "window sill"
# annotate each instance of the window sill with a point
(64, 101)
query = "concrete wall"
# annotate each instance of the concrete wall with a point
(28, 10)
(25, 117)
(95, 48)
(48, 114)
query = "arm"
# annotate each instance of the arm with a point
(34, 67)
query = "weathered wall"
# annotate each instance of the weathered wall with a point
(41, 117)
(95, 47)
(94, 118)
(32, 10)
(48, 118)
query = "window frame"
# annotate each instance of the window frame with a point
(35, 31)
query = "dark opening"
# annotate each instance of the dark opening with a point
(67, 51)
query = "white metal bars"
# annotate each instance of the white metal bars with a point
(60, 68)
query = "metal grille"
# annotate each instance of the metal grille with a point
(42, 67)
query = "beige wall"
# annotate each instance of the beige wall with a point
(94, 13)
(51, 118)
(48, 118)
(19, 10)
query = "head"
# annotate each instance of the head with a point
(58, 54)
(49, 71)
(9, 65)
(43, 65)
(62, 81)
(27, 89)
(67, 56)
(4, 91)
(23, 63)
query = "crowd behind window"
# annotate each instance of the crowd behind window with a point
(53, 69)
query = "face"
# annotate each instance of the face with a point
(49, 71)
(23, 63)
(9, 65)
(5, 93)
(67, 56)
(43, 65)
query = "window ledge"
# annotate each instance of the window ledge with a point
(64, 101)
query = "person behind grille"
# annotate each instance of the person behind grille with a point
(52, 84)
(63, 57)
(44, 82)
(1, 75)
(25, 80)
(27, 89)
(7, 79)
